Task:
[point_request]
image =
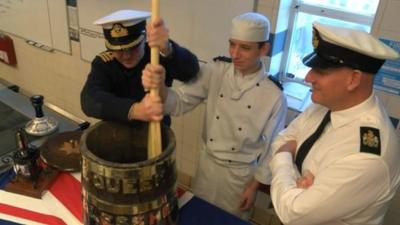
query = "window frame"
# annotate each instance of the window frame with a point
(298, 6)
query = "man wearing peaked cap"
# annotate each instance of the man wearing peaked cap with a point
(338, 161)
(338, 47)
(113, 90)
(238, 127)
(123, 29)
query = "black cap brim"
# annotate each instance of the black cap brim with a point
(314, 60)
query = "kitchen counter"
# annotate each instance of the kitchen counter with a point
(15, 111)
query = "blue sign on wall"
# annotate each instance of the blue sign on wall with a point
(388, 77)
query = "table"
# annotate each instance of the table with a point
(200, 212)
(61, 205)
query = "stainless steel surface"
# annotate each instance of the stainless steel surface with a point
(64, 113)
(21, 103)
(41, 126)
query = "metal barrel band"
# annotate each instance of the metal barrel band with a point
(132, 193)
(145, 171)
(119, 209)
(166, 215)
(132, 184)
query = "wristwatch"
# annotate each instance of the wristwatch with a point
(169, 51)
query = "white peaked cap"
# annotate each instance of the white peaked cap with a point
(339, 46)
(355, 40)
(126, 17)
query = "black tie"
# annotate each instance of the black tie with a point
(308, 143)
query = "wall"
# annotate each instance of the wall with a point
(50, 18)
(57, 76)
(386, 25)
(204, 35)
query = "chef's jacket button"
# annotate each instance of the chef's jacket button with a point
(239, 128)
(249, 106)
(229, 161)
(258, 84)
(233, 149)
(217, 117)
(221, 95)
(211, 139)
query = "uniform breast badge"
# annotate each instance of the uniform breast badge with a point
(370, 140)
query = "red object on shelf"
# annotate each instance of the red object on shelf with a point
(7, 52)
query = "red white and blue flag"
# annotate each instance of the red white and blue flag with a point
(60, 205)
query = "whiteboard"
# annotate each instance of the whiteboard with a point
(203, 26)
(41, 21)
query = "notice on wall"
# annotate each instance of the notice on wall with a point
(388, 77)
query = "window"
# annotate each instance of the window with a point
(358, 14)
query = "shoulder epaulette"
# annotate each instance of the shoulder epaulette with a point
(222, 58)
(370, 140)
(275, 81)
(106, 56)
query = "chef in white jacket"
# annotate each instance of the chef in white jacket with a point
(245, 109)
(344, 145)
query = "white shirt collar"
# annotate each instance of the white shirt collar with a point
(342, 117)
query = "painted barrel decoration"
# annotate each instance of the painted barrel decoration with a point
(120, 186)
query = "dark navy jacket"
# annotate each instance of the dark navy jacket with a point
(111, 89)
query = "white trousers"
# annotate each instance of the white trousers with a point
(222, 183)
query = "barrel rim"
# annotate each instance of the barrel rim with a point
(165, 153)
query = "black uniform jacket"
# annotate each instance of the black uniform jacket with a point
(111, 89)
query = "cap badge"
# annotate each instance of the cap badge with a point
(315, 39)
(119, 31)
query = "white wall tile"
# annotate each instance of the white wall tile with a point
(270, 13)
(387, 34)
(393, 106)
(391, 17)
(268, 3)
(383, 97)
(57, 76)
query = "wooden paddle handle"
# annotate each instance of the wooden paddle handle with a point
(154, 140)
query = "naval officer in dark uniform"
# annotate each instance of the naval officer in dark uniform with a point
(113, 90)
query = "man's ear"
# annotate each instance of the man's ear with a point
(354, 80)
(265, 49)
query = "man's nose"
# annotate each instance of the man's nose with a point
(234, 52)
(309, 77)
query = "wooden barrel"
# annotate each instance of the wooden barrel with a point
(119, 184)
